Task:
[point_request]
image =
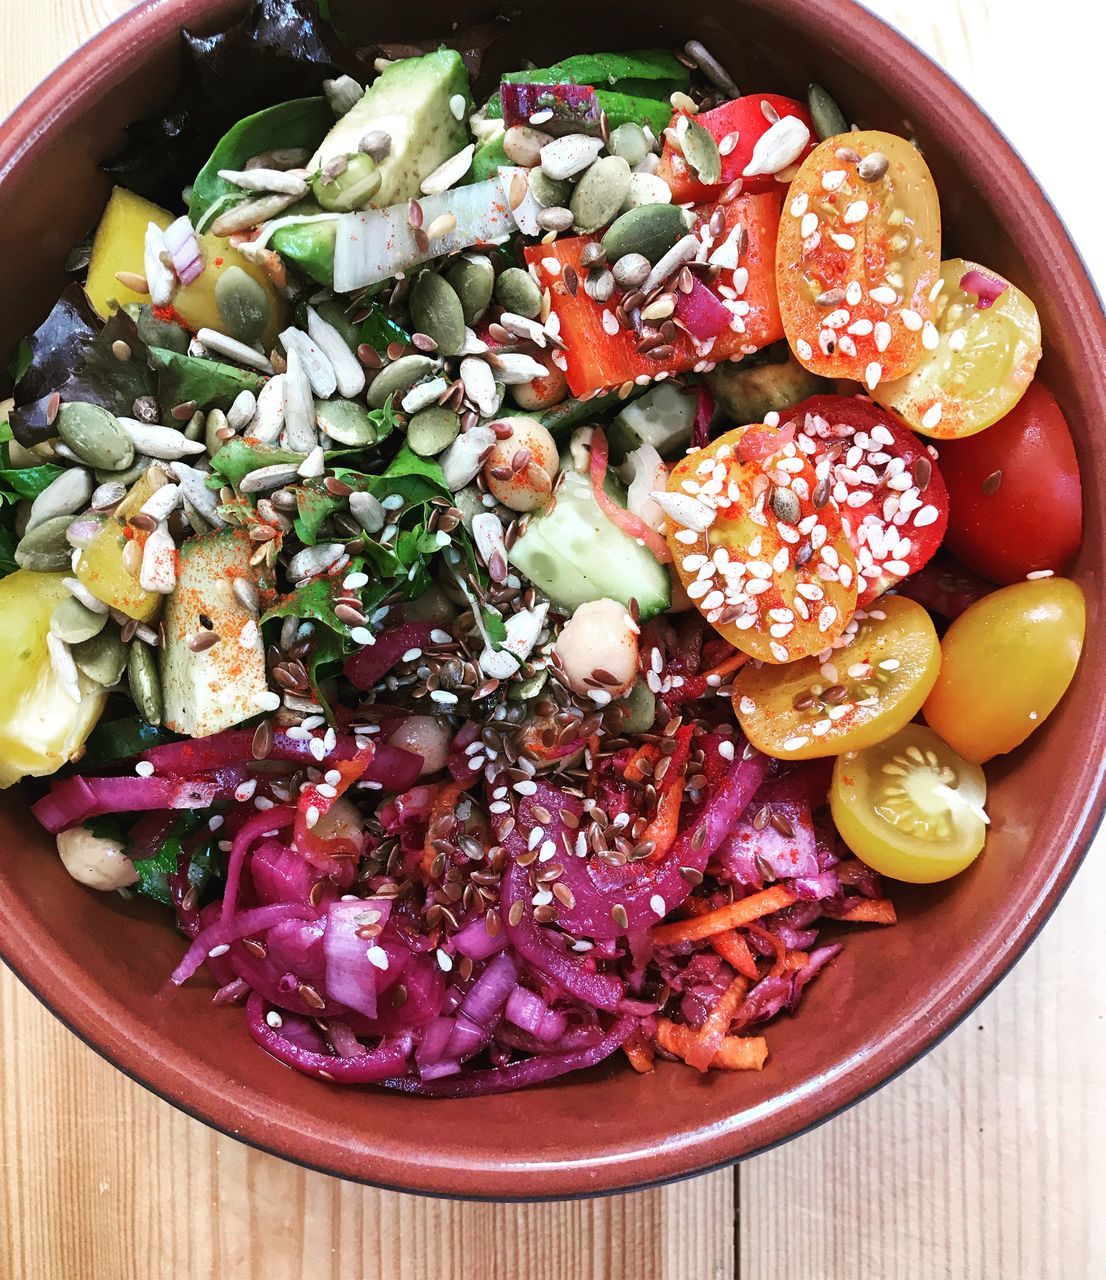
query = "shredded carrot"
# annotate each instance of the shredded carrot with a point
(639, 1052)
(444, 803)
(735, 950)
(795, 960)
(645, 755)
(736, 1053)
(664, 827)
(871, 911)
(708, 1038)
(733, 663)
(732, 916)
(775, 943)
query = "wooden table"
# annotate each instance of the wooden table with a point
(987, 1161)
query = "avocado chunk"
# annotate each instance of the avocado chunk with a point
(576, 554)
(220, 686)
(410, 102)
(662, 417)
(310, 245)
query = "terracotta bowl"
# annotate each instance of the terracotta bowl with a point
(99, 963)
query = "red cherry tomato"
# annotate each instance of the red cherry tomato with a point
(1014, 490)
(736, 126)
(892, 499)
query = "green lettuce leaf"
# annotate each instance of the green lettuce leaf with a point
(209, 383)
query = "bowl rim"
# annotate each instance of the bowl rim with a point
(23, 941)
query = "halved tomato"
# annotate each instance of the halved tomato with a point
(979, 359)
(737, 127)
(858, 257)
(770, 570)
(885, 481)
(865, 691)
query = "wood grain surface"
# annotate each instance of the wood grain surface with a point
(986, 1161)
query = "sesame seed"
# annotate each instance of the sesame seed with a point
(658, 905)
(1038, 573)
(932, 416)
(218, 951)
(796, 743)
(274, 1020)
(144, 769)
(445, 960)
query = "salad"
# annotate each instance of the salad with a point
(512, 563)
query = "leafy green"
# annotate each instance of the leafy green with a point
(606, 68)
(7, 552)
(210, 384)
(123, 739)
(315, 600)
(236, 459)
(494, 626)
(302, 123)
(71, 353)
(26, 482)
(154, 872)
(278, 51)
(21, 361)
(378, 329)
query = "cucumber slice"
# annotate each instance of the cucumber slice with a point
(576, 554)
(662, 417)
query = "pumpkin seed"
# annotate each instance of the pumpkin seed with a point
(134, 472)
(145, 682)
(629, 142)
(103, 658)
(599, 193)
(216, 431)
(45, 548)
(472, 278)
(62, 497)
(398, 377)
(701, 152)
(431, 431)
(639, 709)
(243, 305)
(346, 421)
(516, 292)
(95, 436)
(549, 192)
(646, 188)
(829, 119)
(436, 310)
(73, 623)
(155, 332)
(650, 229)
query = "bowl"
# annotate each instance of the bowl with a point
(100, 964)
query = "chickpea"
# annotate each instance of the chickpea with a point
(341, 821)
(600, 636)
(96, 861)
(542, 393)
(426, 736)
(522, 467)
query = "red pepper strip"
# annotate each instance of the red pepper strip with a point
(444, 804)
(737, 953)
(646, 755)
(626, 520)
(708, 1039)
(316, 849)
(695, 687)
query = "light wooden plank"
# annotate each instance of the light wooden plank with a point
(988, 1159)
(102, 1179)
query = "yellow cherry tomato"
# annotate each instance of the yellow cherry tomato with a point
(864, 692)
(1005, 664)
(910, 807)
(980, 356)
(758, 544)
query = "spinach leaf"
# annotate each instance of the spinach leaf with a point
(237, 458)
(303, 123)
(606, 68)
(27, 482)
(7, 552)
(378, 329)
(118, 740)
(209, 383)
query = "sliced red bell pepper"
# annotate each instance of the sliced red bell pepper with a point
(600, 354)
(747, 119)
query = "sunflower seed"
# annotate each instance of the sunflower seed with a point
(250, 214)
(165, 443)
(62, 497)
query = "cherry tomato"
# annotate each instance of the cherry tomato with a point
(773, 573)
(1017, 503)
(980, 355)
(886, 485)
(1005, 664)
(910, 807)
(862, 693)
(945, 587)
(738, 126)
(858, 256)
